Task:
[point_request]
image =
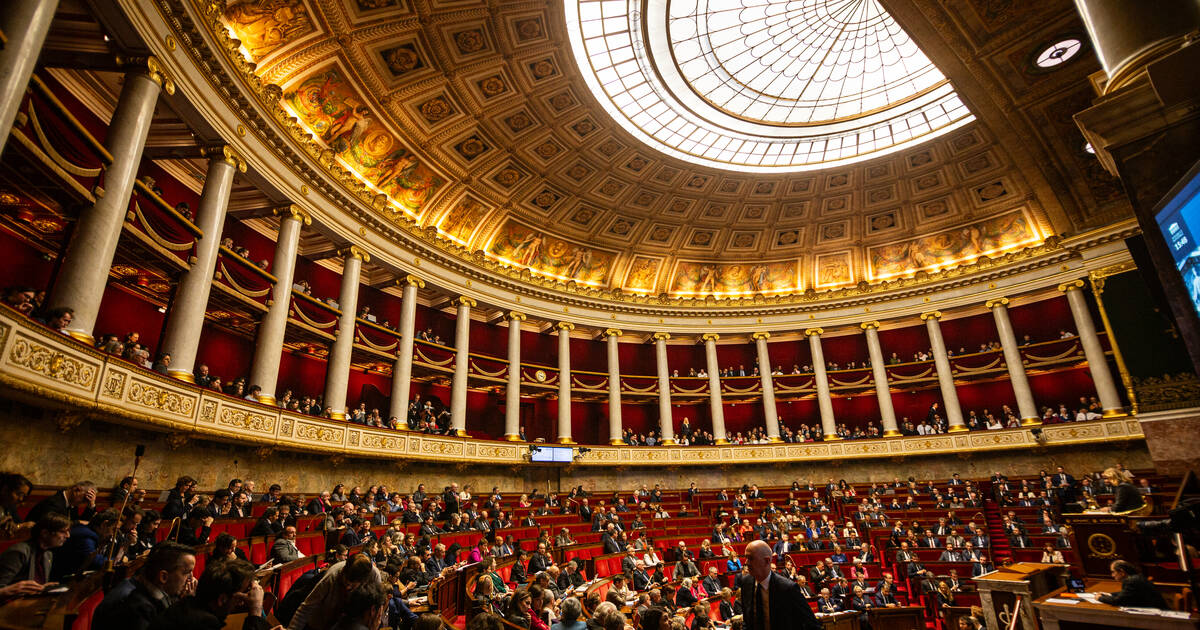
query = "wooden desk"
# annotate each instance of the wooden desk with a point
(902, 618)
(848, 620)
(1088, 615)
(1000, 589)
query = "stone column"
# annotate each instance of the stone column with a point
(88, 258)
(25, 24)
(402, 369)
(883, 393)
(1106, 388)
(666, 421)
(1126, 36)
(716, 409)
(462, 358)
(1016, 365)
(821, 378)
(268, 346)
(564, 382)
(337, 369)
(512, 394)
(770, 413)
(945, 375)
(186, 319)
(614, 387)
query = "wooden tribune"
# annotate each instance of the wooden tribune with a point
(1100, 539)
(902, 618)
(1000, 590)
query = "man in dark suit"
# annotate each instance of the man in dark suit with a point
(450, 500)
(769, 600)
(711, 582)
(1135, 589)
(826, 602)
(77, 503)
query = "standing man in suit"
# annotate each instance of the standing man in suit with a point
(450, 500)
(769, 600)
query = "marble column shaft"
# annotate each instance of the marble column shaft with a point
(462, 358)
(821, 379)
(941, 361)
(186, 319)
(666, 421)
(512, 393)
(770, 413)
(337, 369)
(564, 382)
(883, 393)
(1016, 365)
(25, 24)
(402, 368)
(614, 387)
(84, 272)
(268, 346)
(715, 407)
(1106, 388)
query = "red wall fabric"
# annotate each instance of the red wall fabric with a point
(227, 355)
(589, 356)
(967, 333)
(539, 348)
(122, 313)
(23, 265)
(904, 341)
(789, 353)
(261, 247)
(1042, 320)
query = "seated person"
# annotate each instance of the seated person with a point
(1136, 590)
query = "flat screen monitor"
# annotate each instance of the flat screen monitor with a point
(1179, 222)
(552, 454)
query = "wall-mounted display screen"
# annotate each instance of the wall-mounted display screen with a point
(1179, 221)
(552, 454)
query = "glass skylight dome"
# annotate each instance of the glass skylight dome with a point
(761, 85)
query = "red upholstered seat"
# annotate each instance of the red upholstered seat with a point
(86, 610)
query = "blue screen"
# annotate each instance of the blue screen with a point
(553, 454)
(1179, 221)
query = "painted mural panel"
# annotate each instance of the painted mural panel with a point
(523, 246)
(643, 274)
(954, 246)
(337, 114)
(693, 278)
(264, 26)
(463, 219)
(834, 269)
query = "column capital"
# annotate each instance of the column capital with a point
(152, 68)
(517, 316)
(710, 337)
(463, 300)
(662, 336)
(411, 280)
(990, 304)
(354, 251)
(867, 325)
(293, 211)
(227, 154)
(931, 315)
(564, 327)
(1068, 286)
(814, 331)
(613, 332)
(760, 335)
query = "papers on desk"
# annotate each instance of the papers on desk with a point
(1062, 600)
(1089, 597)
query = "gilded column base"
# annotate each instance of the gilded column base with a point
(892, 433)
(720, 441)
(958, 428)
(1031, 422)
(775, 440)
(182, 375)
(460, 432)
(1115, 413)
(566, 440)
(833, 437)
(266, 400)
(512, 437)
(616, 442)
(82, 337)
(337, 415)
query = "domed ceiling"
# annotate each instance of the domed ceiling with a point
(474, 118)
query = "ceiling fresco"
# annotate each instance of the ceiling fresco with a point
(474, 120)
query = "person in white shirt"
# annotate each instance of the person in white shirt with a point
(994, 423)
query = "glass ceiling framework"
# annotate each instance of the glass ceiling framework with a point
(761, 85)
